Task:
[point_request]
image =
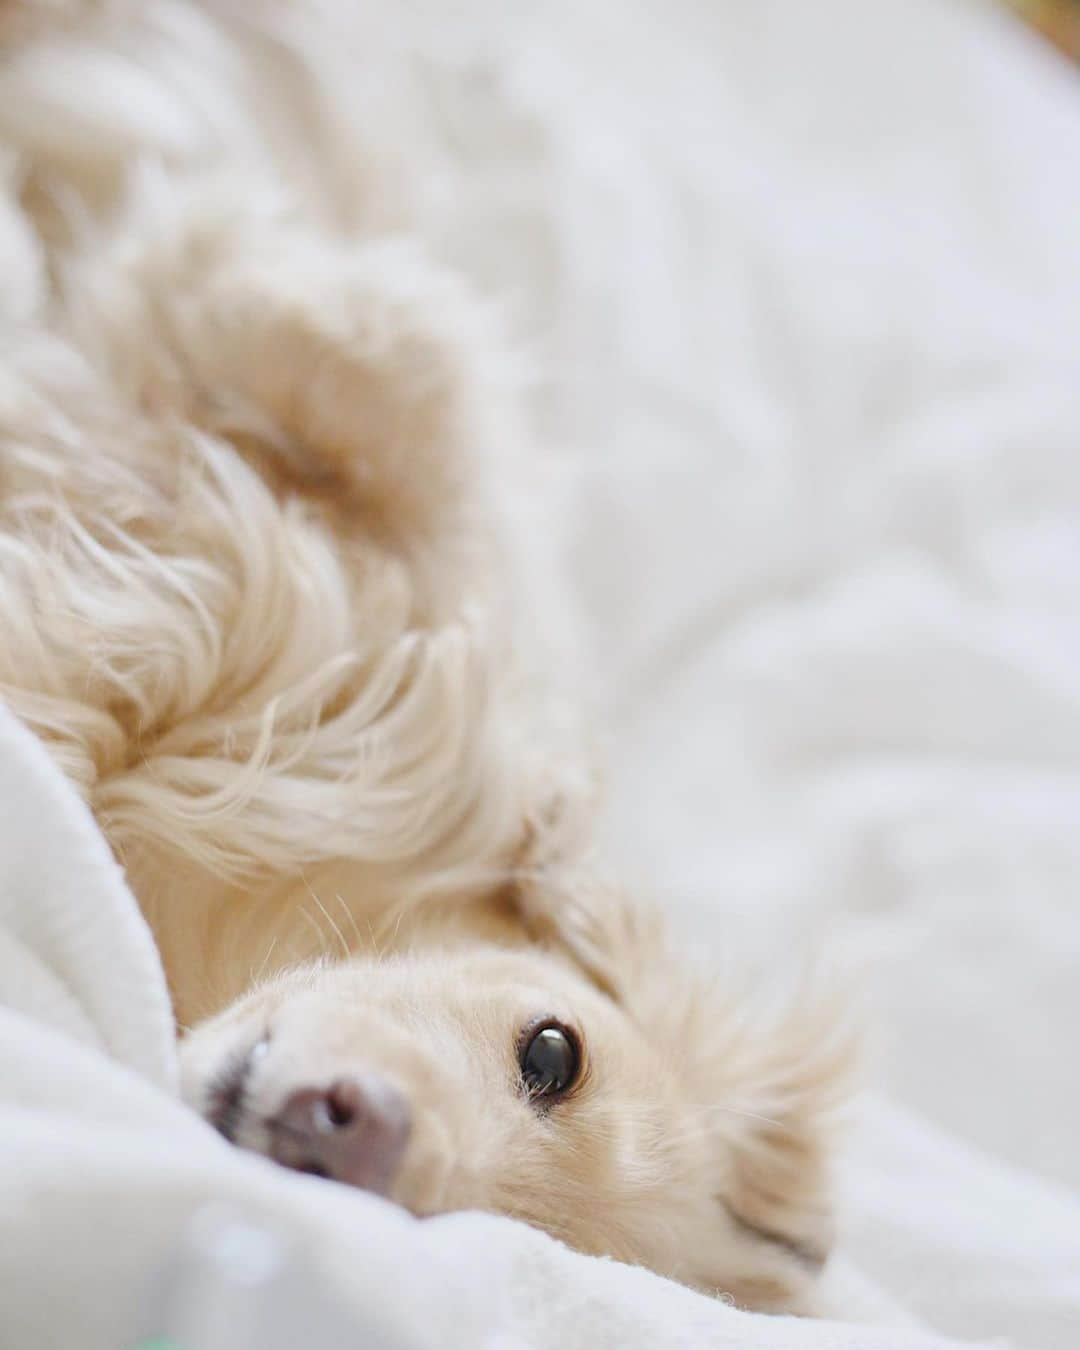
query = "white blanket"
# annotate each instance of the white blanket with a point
(809, 281)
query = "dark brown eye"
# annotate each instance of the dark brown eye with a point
(550, 1061)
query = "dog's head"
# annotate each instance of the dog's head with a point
(578, 1080)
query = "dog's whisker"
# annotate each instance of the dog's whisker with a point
(351, 918)
(313, 923)
(257, 976)
(326, 915)
(345, 949)
(721, 1107)
(378, 950)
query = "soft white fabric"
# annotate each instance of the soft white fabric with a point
(808, 282)
(977, 1247)
(102, 1169)
(74, 955)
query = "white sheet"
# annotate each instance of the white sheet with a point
(807, 282)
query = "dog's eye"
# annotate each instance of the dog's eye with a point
(550, 1061)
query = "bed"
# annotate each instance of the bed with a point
(802, 285)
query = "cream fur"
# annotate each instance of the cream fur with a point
(257, 456)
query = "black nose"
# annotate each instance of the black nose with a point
(354, 1131)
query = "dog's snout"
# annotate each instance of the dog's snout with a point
(354, 1131)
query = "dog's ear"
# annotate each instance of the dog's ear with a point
(564, 900)
(765, 1076)
(774, 1072)
(618, 945)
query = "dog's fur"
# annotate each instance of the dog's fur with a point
(254, 455)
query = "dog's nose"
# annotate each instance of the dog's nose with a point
(354, 1131)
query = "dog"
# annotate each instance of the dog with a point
(263, 600)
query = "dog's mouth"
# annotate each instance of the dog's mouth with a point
(227, 1092)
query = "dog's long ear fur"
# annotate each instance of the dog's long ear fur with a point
(776, 1072)
(767, 1076)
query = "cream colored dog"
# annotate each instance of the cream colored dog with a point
(257, 595)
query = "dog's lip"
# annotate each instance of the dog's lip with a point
(225, 1096)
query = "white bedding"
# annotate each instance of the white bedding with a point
(805, 283)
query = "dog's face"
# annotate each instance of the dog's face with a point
(526, 1091)
(507, 1080)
